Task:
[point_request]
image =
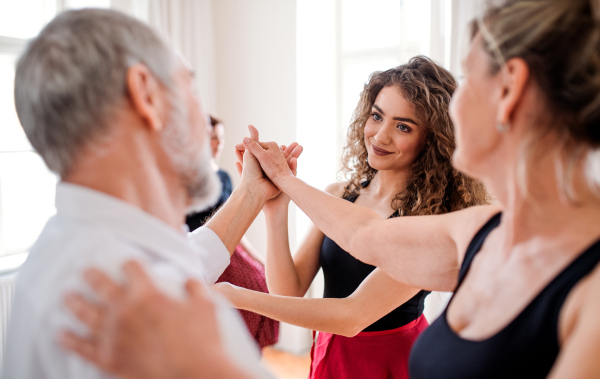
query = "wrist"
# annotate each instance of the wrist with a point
(285, 182)
(252, 194)
(281, 178)
(236, 296)
(274, 208)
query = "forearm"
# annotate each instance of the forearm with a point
(340, 220)
(282, 275)
(336, 316)
(235, 216)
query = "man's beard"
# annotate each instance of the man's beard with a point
(192, 165)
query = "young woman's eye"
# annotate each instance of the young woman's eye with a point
(377, 117)
(403, 128)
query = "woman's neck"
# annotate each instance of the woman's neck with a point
(543, 208)
(387, 183)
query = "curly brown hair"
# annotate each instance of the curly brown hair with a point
(434, 186)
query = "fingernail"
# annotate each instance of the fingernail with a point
(246, 140)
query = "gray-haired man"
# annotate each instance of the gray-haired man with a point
(110, 108)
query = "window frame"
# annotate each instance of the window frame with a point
(13, 46)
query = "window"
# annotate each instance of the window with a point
(339, 44)
(381, 34)
(27, 187)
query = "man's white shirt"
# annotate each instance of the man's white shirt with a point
(93, 229)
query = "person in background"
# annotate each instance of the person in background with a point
(246, 268)
(398, 160)
(195, 220)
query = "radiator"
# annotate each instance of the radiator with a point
(7, 289)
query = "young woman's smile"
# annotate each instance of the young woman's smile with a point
(379, 151)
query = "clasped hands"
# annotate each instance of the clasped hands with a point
(266, 163)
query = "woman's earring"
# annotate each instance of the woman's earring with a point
(503, 127)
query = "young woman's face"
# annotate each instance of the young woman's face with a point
(473, 110)
(393, 135)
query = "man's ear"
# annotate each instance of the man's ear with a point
(147, 96)
(515, 75)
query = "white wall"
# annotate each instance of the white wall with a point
(463, 11)
(255, 54)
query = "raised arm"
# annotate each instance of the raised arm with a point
(287, 275)
(239, 211)
(420, 251)
(377, 296)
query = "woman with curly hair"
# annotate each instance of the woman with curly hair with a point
(526, 272)
(397, 157)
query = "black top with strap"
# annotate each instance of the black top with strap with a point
(343, 274)
(525, 348)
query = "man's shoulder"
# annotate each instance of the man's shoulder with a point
(64, 248)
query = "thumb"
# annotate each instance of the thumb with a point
(253, 147)
(253, 132)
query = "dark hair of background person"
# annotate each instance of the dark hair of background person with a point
(215, 121)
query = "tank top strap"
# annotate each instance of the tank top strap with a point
(364, 184)
(476, 244)
(560, 287)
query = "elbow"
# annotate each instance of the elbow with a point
(352, 330)
(352, 325)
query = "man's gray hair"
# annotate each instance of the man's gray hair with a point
(72, 77)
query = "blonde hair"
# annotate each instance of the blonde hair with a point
(560, 42)
(434, 186)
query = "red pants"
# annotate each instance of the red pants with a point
(368, 355)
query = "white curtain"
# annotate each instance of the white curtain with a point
(188, 26)
(463, 11)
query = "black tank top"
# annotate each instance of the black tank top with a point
(526, 348)
(343, 274)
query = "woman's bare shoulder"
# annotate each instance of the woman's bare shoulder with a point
(591, 301)
(464, 224)
(477, 215)
(337, 188)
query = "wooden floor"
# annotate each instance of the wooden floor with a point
(286, 366)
